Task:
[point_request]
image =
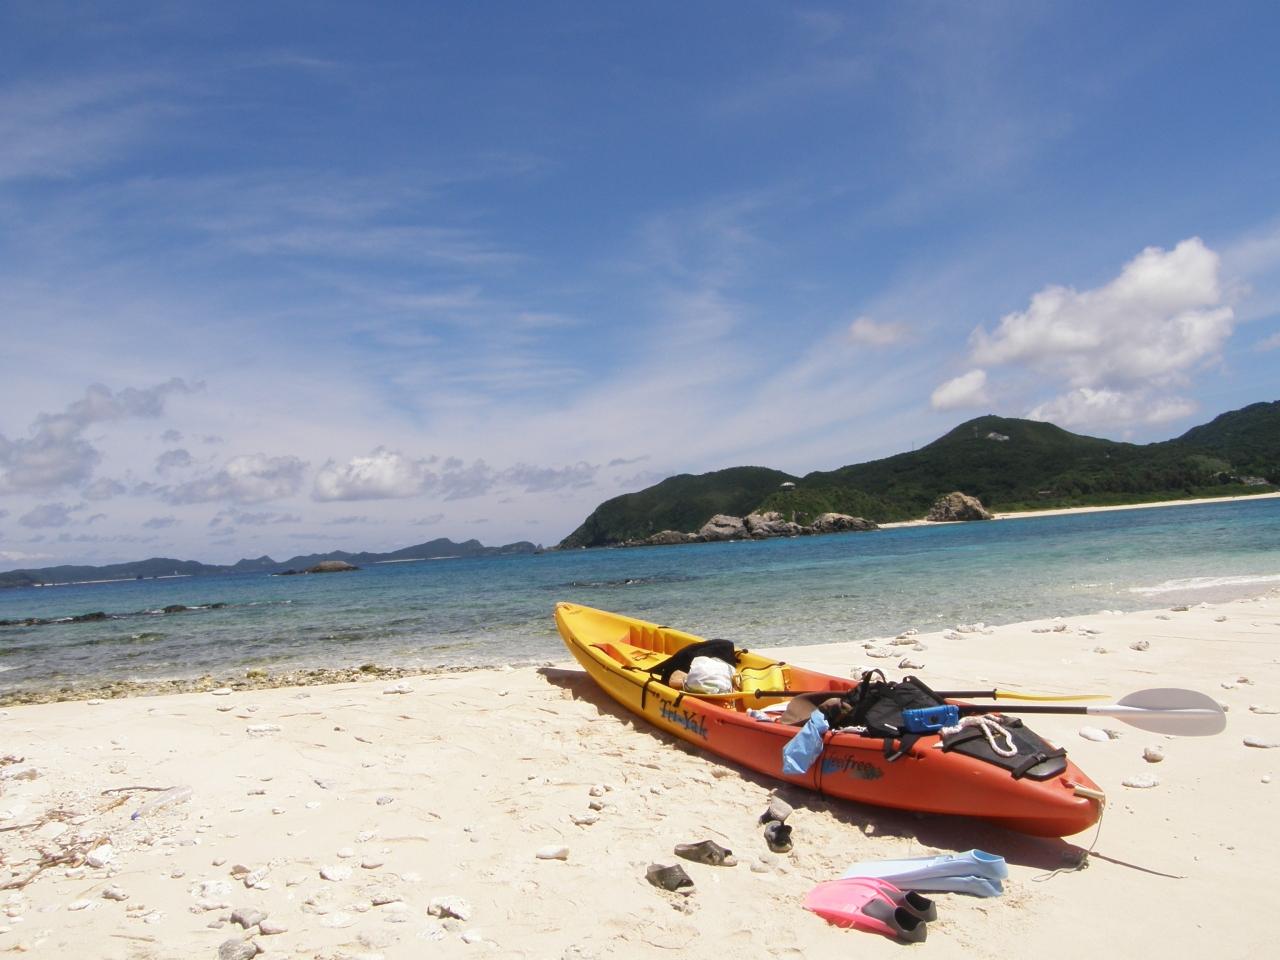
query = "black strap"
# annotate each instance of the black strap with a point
(644, 690)
(904, 746)
(1022, 769)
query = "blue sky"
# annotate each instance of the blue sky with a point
(280, 278)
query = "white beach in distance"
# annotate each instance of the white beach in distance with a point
(1066, 511)
(447, 786)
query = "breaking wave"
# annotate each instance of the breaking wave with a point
(1205, 583)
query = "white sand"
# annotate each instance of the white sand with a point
(484, 769)
(1063, 511)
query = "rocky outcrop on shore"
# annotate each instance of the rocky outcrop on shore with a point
(324, 566)
(957, 507)
(841, 523)
(754, 526)
(332, 566)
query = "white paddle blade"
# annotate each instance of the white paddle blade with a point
(1183, 713)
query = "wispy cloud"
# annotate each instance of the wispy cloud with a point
(48, 515)
(173, 460)
(254, 519)
(59, 128)
(869, 332)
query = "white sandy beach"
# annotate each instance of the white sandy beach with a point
(1064, 511)
(350, 809)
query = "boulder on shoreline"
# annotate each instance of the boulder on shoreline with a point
(957, 506)
(666, 537)
(762, 526)
(723, 527)
(841, 523)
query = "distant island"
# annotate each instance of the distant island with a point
(1009, 464)
(157, 567)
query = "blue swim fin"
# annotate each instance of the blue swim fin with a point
(977, 886)
(974, 871)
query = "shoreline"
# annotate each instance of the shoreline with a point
(889, 525)
(1067, 511)
(348, 813)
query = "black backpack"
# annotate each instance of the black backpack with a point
(877, 704)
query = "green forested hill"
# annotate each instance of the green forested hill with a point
(683, 502)
(1008, 464)
(1249, 439)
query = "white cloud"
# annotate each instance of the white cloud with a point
(1119, 349)
(17, 556)
(47, 515)
(252, 478)
(388, 474)
(262, 519)
(870, 333)
(1162, 316)
(56, 454)
(1085, 406)
(459, 481)
(104, 488)
(173, 460)
(538, 479)
(384, 474)
(160, 523)
(1270, 343)
(966, 390)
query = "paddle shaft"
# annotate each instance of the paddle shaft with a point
(945, 694)
(1117, 710)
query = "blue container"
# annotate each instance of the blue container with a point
(930, 719)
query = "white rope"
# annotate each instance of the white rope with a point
(989, 728)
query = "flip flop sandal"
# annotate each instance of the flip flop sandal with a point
(668, 878)
(706, 851)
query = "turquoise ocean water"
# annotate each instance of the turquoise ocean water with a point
(479, 611)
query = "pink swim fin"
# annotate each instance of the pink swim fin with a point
(867, 905)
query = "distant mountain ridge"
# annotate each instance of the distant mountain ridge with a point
(1007, 463)
(165, 567)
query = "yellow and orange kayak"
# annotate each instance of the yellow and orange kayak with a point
(618, 652)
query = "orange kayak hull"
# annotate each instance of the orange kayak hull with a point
(616, 651)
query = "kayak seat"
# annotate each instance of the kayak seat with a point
(613, 653)
(772, 676)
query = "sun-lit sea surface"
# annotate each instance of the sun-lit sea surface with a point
(499, 610)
